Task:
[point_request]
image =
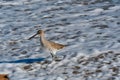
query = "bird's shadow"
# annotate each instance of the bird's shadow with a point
(32, 60)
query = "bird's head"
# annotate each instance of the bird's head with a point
(39, 32)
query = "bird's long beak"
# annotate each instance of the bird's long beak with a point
(32, 36)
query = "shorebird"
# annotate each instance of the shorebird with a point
(52, 47)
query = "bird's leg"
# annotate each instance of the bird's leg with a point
(54, 57)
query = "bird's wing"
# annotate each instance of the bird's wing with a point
(57, 45)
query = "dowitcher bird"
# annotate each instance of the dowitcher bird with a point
(52, 47)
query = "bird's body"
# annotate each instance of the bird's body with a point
(52, 47)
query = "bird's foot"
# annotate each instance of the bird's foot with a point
(56, 58)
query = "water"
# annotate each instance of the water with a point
(86, 26)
